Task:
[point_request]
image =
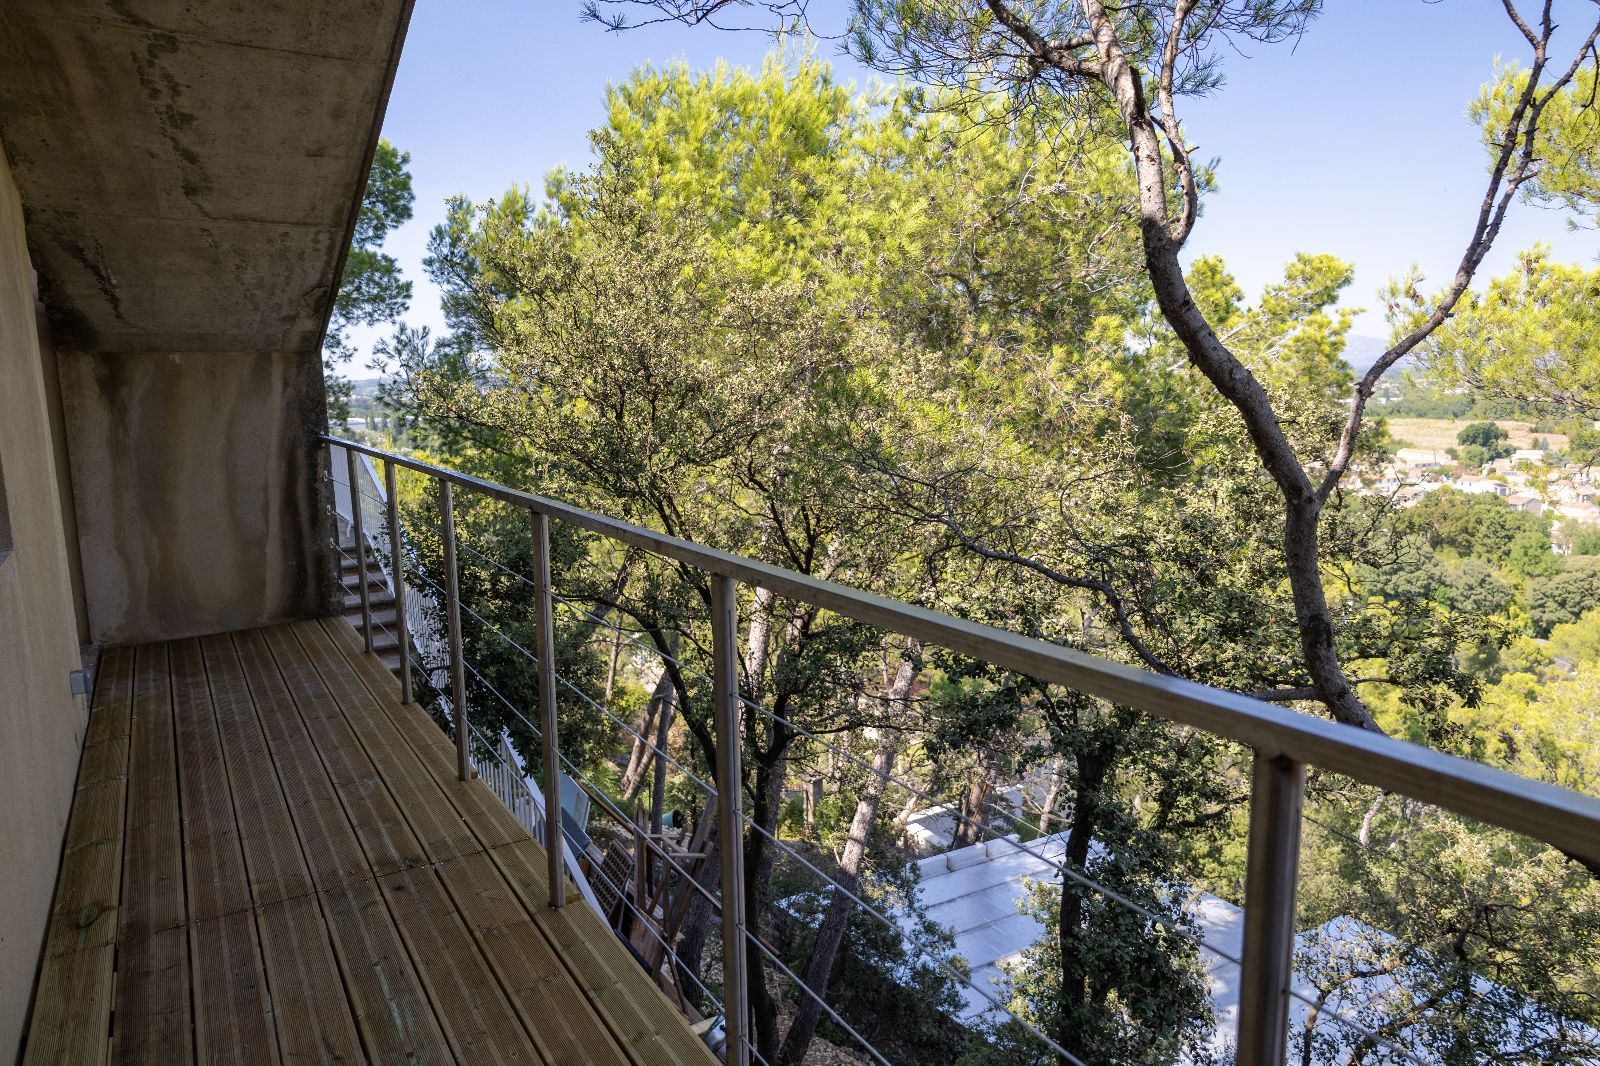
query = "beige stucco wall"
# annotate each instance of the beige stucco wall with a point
(41, 722)
(195, 482)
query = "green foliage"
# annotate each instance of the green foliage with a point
(1432, 905)
(1582, 537)
(1530, 554)
(1569, 145)
(1579, 640)
(1478, 525)
(1470, 586)
(911, 348)
(1562, 597)
(1529, 339)
(1487, 436)
(372, 290)
(1147, 999)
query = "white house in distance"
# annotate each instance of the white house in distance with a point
(1477, 483)
(1422, 458)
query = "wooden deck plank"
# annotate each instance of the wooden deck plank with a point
(435, 821)
(71, 1024)
(88, 886)
(478, 1019)
(311, 1012)
(274, 867)
(152, 869)
(638, 1013)
(213, 862)
(152, 1019)
(489, 819)
(391, 1009)
(268, 773)
(71, 1020)
(332, 853)
(642, 1020)
(103, 761)
(385, 836)
(110, 711)
(565, 1024)
(152, 1013)
(232, 1009)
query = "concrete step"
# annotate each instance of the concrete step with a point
(348, 566)
(378, 597)
(382, 639)
(385, 644)
(381, 613)
(375, 583)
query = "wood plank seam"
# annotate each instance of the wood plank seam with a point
(218, 757)
(324, 901)
(426, 793)
(537, 912)
(357, 660)
(82, 966)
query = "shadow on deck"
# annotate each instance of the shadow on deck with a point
(270, 859)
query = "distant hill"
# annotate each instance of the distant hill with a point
(366, 388)
(1362, 351)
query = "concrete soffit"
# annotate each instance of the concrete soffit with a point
(191, 172)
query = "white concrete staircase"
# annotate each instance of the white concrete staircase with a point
(384, 640)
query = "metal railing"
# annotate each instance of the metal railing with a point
(1283, 743)
(363, 504)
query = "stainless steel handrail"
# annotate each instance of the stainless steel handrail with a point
(1284, 742)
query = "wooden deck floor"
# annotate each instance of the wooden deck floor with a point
(270, 860)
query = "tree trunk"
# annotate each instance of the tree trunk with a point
(1230, 377)
(836, 919)
(758, 859)
(1093, 767)
(662, 700)
(975, 802)
(611, 665)
(658, 789)
(1047, 809)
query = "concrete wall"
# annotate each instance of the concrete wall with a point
(195, 484)
(41, 722)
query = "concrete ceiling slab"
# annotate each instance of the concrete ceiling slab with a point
(358, 30)
(190, 170)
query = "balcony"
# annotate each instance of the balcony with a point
(270, 858)
(250, 843)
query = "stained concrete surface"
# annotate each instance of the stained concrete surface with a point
(188, 170)
(189, 174)
(194, 483)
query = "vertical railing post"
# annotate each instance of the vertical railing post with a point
(725, 715)
(452, 597)
(397, 578)
(351, 462)
(550, 738)
(1272, 870)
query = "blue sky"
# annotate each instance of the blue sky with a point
(1352, 141)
